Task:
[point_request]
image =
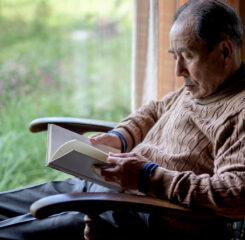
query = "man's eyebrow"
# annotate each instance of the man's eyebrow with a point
(170, 51)
(179, 50)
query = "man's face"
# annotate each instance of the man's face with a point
(201, 69)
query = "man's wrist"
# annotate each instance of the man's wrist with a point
(144, 176)
(122, 138)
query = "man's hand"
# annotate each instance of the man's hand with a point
(124, 169)
(108, 139)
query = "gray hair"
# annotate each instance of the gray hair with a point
(214, 21)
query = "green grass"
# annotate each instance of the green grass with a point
(45, 72)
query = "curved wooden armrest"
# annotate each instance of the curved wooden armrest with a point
(79, 125)
(95, 203)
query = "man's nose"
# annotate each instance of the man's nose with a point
(180, 68)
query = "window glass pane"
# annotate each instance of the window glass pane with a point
(58, 58)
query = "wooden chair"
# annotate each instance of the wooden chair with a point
(92, 204)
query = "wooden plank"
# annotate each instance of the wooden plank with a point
(242, 14)
(166, 77)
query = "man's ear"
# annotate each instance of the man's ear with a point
(227, 51)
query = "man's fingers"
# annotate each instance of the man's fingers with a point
(99, 138)
(122, 155)
(94, 137)
(107, 171)
(116, 158)
(110, 174)
(97, 168)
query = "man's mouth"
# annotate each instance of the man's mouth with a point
(189, 86)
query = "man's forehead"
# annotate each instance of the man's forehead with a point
(182, 37)
(183, 45)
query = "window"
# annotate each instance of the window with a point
(58, 58)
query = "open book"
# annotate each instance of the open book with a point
(74, 154)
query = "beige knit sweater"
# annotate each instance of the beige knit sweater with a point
(200, 146)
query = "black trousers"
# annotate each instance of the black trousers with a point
(16, 222)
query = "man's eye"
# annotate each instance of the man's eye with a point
(187, 56)
(174, 56)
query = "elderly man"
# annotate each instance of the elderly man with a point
(190, 146)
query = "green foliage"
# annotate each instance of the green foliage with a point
(58, 58)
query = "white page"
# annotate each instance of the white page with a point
(57, 136)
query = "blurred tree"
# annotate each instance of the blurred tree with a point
(41, 15)
(1, 4)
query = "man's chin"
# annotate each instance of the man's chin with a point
(191, 90)
(195, 94)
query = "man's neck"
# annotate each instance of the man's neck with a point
(226, 87)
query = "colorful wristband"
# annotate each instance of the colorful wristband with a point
(144, 176)
(124, 142)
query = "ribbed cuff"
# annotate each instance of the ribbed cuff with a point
(124, 142)
(144, 176)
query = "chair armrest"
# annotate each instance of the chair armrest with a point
(95, 203)
(79, 125)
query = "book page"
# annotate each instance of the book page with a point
(78, 146)
(57, 136)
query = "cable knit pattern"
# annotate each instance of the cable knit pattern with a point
(200, 146)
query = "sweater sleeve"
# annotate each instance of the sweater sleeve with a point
(135, 127)
(224, 191)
